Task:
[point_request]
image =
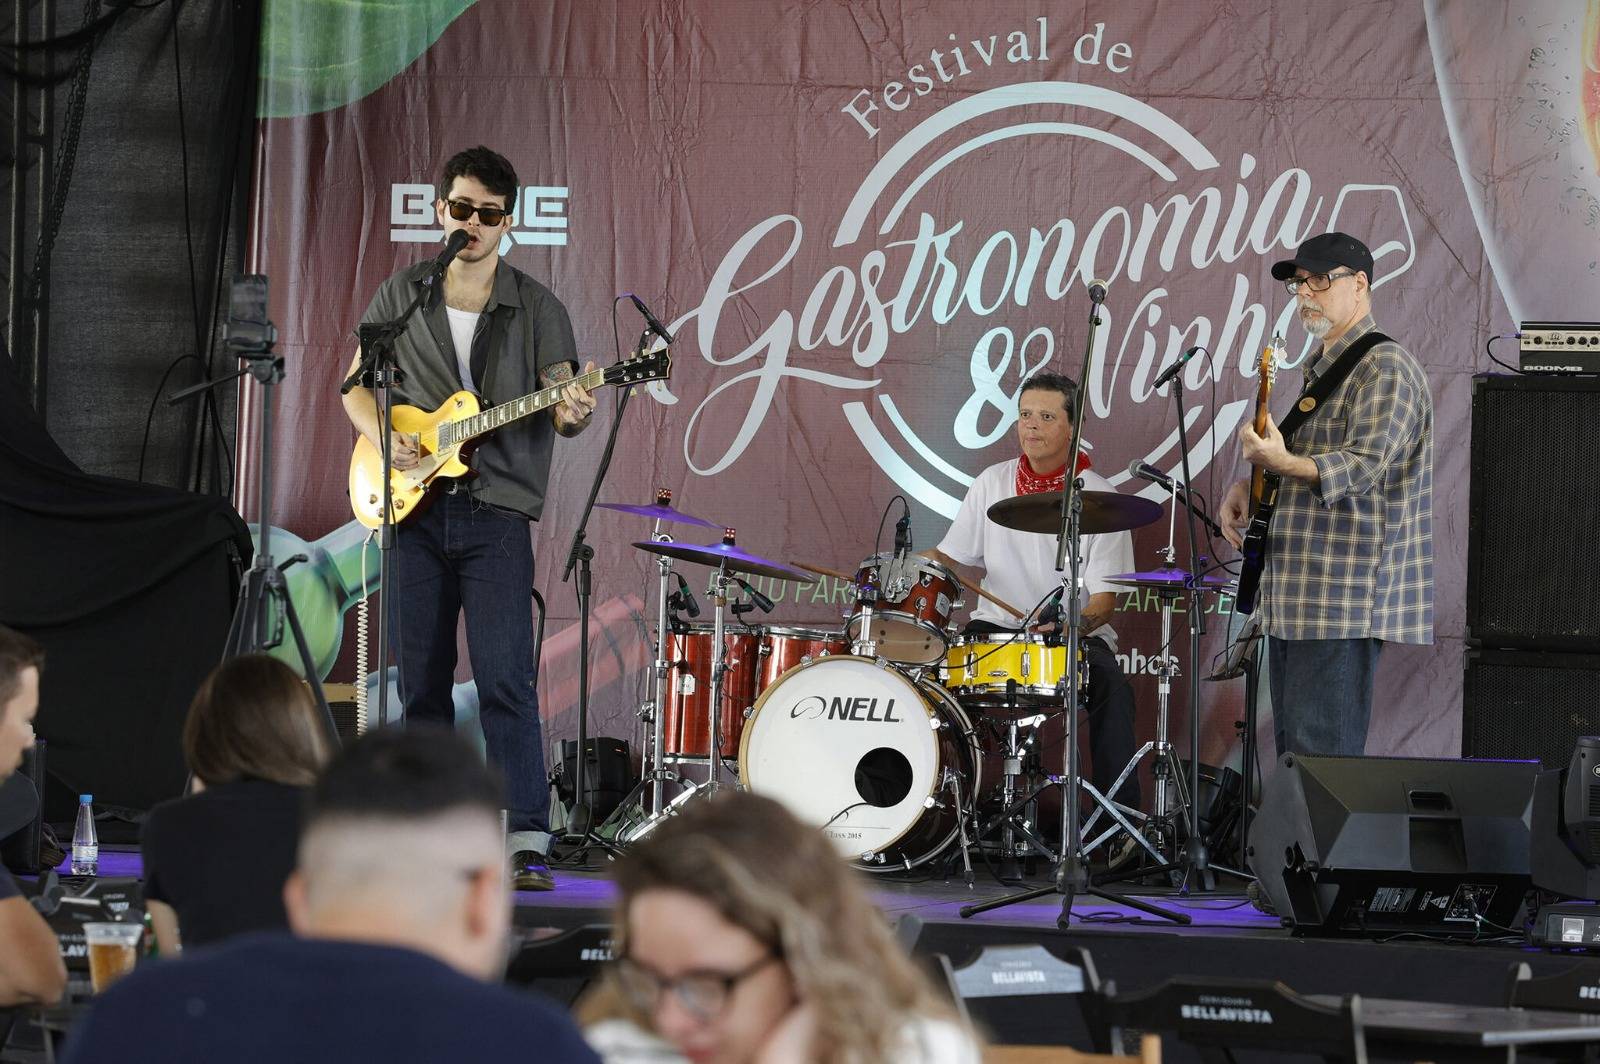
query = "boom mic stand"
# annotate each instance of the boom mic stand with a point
(580, 822)
(265, 605)
(379, 371)
(1195, 860)
(1072, 874)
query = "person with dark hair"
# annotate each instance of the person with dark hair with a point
(215, 861)
(31, 970)
(742, 937)
(401, 914)
(1020, 568)
(488, 328)
(1350, 566)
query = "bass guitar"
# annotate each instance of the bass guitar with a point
(1263, 490)
(445, 436)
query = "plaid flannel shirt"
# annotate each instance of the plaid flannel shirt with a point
(1352, 557)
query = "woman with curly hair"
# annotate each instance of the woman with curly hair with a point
(743, 938)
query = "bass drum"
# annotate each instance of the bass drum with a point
(864, 753)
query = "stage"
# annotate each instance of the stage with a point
(1227, 937)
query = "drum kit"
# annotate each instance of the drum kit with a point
(881, 731)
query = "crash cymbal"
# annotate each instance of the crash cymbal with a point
(1103, 511)
(737, 561)
(661, 510)
(1176, 579)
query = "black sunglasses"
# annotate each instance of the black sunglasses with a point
(490, 216)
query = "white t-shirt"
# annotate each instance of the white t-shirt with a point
(463, 323)
(924, 1041)
(1020, 567)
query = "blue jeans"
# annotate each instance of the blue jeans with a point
(458, 555)
(1322, 694)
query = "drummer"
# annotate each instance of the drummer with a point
(1020, 567)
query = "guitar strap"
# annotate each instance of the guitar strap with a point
(1318, 390)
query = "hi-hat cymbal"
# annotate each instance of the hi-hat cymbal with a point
(658, 512)
(1175, 579)
(661, 511)
(737, 561)
(1103, 511)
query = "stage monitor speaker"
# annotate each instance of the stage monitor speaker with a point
(608, 775)
(1535, 503)
(1523, 704)
(1379, 845)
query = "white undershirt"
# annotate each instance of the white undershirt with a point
(463, 323)
(1020, 567)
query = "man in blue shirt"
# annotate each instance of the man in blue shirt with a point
(401, 906)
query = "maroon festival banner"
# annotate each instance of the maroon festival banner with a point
(867, 224)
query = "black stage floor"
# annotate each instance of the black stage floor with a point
(1228, 937)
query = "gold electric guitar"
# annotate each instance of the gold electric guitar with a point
(445, 437)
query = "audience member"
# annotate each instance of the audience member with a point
(215, 862)
(742, 936)
(401, 903)
(31, 970)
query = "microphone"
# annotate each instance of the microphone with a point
(1050, 612)
(452, 247)
(684, 598)
(1097, 290)
(1146, 471)
(1172, 370)
(902, 535)
(762, 602)
(650, 319)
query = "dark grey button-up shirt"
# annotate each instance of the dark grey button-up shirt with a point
(1352, 558)
(523, 331)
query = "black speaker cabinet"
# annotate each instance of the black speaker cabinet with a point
(1532, 571)
(1377, 845)
(1523, 704)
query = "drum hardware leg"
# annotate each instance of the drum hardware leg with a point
(952, 782)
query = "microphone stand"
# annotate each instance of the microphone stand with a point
(1072, 874)
(579, 822)
(1195, 859)
(379, 371)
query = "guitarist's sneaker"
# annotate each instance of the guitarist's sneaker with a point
(529, 872)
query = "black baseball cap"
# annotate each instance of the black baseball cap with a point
(1325, 253)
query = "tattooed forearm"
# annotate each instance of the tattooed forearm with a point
(561, 371)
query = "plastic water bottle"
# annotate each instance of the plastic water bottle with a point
(85, 844)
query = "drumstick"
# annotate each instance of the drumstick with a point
(968, 584)
(848, 578)
(997, 600)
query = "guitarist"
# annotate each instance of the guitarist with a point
(1350, 564)
(490, 328)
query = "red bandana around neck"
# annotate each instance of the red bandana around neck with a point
(1031, 483)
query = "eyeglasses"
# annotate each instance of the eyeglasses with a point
(702, 994)
(461, 211)
(1317, 282)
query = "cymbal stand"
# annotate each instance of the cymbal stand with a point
(719, 666)
(652, 712)
(1072, 874)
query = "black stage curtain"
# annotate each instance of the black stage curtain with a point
(130, 587)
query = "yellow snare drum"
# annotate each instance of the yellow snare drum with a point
(979, 667)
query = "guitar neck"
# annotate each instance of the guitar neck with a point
(516, 409)
(1265, 371)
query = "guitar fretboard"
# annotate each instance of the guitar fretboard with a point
(496, 416)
